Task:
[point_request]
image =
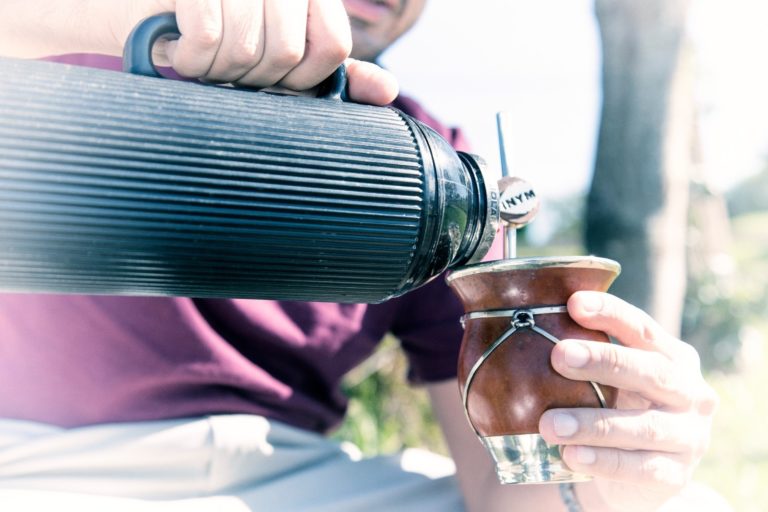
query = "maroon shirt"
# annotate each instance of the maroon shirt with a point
(78, 360)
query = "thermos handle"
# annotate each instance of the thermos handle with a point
(137, 55)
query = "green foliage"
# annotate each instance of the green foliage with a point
(720, 305)
(736, 464)
(563, 221)
(386, 414)
(749, 196)
(570, 213)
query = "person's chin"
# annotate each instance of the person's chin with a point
(363, 46)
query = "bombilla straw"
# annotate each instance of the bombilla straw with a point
(518, 201)
(510, 231)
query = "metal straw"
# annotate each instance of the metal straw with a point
(510, 231)
(518, 201)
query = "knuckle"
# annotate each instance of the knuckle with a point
(335, 45)
(601, 427)
(245, 55)
(335, 33)
(647, 330)
(335, 55)
(207, 38)
(708, 402)
(690, 355)
(346, 44)
(289, 56)
(338, 49)
(664, 377)
(653, 429)
(616, 463)
(611, 360)
(651, 469)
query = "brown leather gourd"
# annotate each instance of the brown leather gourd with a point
(513, 387)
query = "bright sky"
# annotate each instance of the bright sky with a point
(539, 62)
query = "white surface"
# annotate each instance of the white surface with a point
(537, 61)
(540, 62)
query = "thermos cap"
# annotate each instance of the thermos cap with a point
(490, 190)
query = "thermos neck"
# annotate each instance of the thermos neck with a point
(461, 211)
(486, 209)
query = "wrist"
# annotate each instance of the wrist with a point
(589, 497)
(98, 26)
(569, 498)
(35, 29)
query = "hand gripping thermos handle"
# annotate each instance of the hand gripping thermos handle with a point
(137, 55)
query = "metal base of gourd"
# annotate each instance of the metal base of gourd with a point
(528, 459)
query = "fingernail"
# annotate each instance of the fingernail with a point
(585, 455)
(565, 424)
(576, 355)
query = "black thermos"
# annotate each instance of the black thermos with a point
(116, 183)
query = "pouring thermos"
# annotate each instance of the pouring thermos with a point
(120, 183)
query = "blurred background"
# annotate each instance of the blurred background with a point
(643, 124)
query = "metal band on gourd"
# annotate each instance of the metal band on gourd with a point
(521, 319)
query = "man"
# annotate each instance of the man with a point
(117, 403)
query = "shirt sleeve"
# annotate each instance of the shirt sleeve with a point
(427, 325)
(453, 135)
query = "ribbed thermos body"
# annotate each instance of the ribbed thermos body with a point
(118, 184)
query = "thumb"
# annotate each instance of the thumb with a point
(369, 83)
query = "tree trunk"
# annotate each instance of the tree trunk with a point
(637, 204)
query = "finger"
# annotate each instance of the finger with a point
(627, 430)
(285, 32)
(163, 52)
(368, 83)
(242, 43)
(650, 374)
(328, 44)
(652, 469)
(200, 24)
(628, 324)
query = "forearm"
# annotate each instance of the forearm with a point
(38, 28)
